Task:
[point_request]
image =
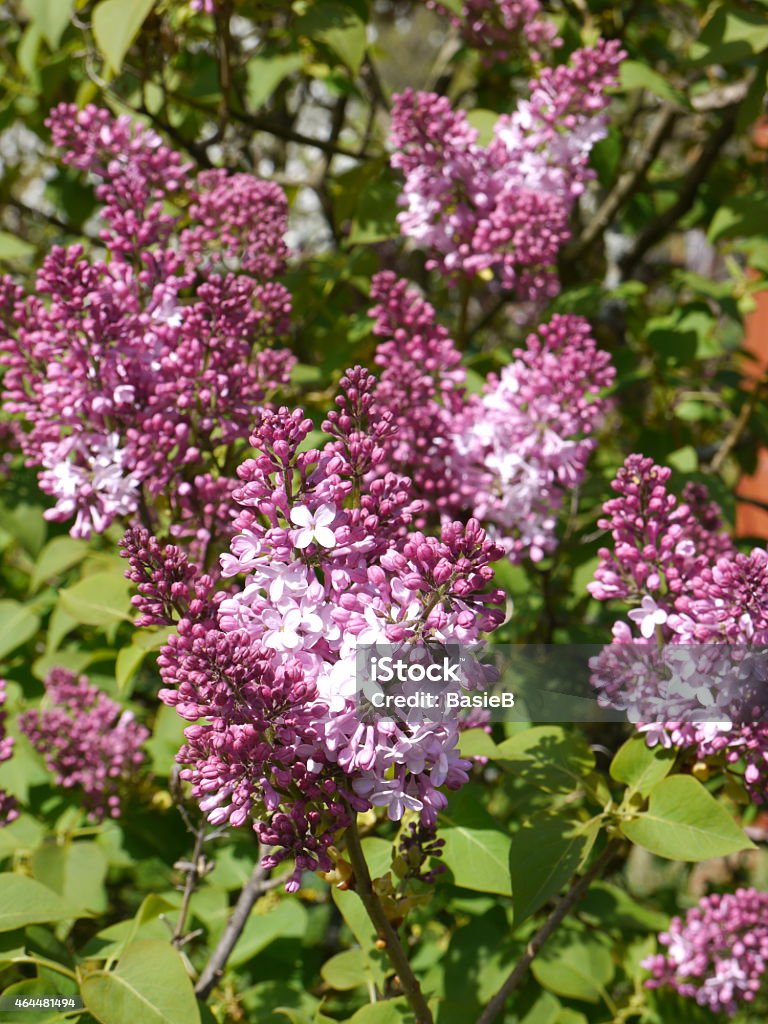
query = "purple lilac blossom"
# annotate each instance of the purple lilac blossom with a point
(507, 457)
(503, 209)
(121, 381)
(687, 586)
(501, 28)
(718, 954)
(8, 808)
(326, 556)
(87, 740)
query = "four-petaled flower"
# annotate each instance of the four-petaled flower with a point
(314, 526)
(648, 616)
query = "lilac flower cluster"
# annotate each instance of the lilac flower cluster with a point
(690, 588)
(501, 28)
(503, 209)
(509, 456)
(718, 955)
(524, 444)
(421, 387)
(87, 740)
(127, 371)
(266, 672)
(8, 809)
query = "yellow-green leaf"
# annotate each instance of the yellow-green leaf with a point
(116, 24)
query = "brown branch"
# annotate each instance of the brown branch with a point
(269, 125)
(627, 184)
(738, 427)
(49, 218)
(265, 123)
(194, 872)
(364, 888)
(565, 905)
(253, 888)
(688, 191)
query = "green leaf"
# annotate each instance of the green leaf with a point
(60, 624)
(614, 909)
(14, 249)
(287, 920)
(116, 24)
(684, 822)
(266, 73)
(12, 945)
(639, 766)
(36, 988)
(545, 855)
(57, 556)
(150, 984)
(684, 460)
(544, 1011)
(130, 658)
(163, 746)
(23, 901)
(579, 970)
(52, 17)
(351, 908)
(75, 870)
(635, 75)
(346, 970)
(111, 942)
(25, 522)
(740, 216)
(378, 854)
(340, 28)
(21, 836)
(127, 664)
(484, 121)
(18, 623)
(22, 771)
(476, 743)
(97, 600)
(569, 1016)
(375, 213)
(478, 858)
(388, 1011)
(731, 36)
(549, 757)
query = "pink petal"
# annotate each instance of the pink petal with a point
(301, 516)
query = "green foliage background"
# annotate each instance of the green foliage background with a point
(669, 249)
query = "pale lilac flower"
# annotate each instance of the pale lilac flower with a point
(648, 616)
(282, 628)
(314, 526)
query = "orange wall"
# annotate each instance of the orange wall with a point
(752, 521)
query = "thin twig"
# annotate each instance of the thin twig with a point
(49, 218)
(687, 193)
(737, 429)
(250, 892)
(627, 184)
(577, 891)
(194, 873)
(268, 124)
(364, 888)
